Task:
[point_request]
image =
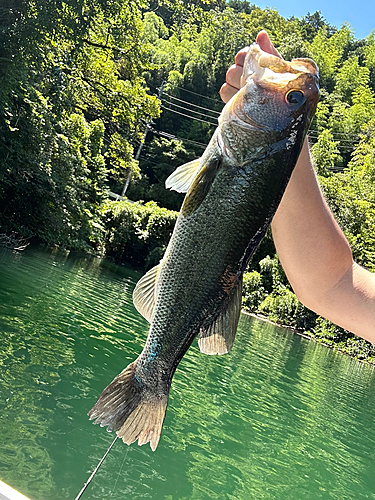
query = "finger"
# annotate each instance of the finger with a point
(233, 76)
(227, 92)
(240, 56)
(233, 79)
(234, 73)
(264, 42)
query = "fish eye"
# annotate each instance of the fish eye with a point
(295, 96)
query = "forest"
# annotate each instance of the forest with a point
(102, 97)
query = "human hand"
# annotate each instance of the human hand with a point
(233, 76)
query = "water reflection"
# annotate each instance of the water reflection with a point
(49, 307)
(276, 422)
(277, 418)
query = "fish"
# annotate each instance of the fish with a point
(232, 193)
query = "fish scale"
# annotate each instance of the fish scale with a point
(232, 194)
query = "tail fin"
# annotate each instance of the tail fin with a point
(128, 407)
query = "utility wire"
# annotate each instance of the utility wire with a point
(171, 136)
(189, 110)
(192, 104)
(342, 148)
(312, 133)
(336, 134)
(333, 133)
(200, 95)
(187, 116)
(150, 161)
(196, 93)
(317, 135)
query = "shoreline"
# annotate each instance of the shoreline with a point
(302, 333)
(309, 337)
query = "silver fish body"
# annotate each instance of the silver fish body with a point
(233, 192)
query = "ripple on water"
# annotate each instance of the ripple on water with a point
(278, 418)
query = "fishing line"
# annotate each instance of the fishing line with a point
(95, 470)
(119, 472)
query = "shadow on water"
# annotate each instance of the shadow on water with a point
(278, 418)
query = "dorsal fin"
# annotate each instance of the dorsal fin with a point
(144, 295)
(181, 179)
(218, 338)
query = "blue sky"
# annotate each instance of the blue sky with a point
(359, 13)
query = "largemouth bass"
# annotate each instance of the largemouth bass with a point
(233, 192)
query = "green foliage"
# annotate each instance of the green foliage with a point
(153, 27)
(311, 23)
(71, 101)
(294, 45)
(76, 79)
(351, 196)
(252, 292)
(350, 76)
(266, 267)
(136, 233)
(282, 307)
(325, 153)
(241, 6)
(335, 336)
(327, 51)
(161, 158)
(268, 293)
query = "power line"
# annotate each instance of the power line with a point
(353, 141)
(195, 93)
(187, 116)
(188, 110)
(200, 95)
(343, 148)
(192, 104)
(335, 134)
(171, 136)
(311, 131)
(145, 158)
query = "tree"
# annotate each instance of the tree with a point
(325, 153)
(327, 51)
(72, 99)
(352, 199)
(312, 23)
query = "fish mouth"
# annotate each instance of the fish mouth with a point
(267, 80)
(260, 66)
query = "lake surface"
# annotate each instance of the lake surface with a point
(279, 417)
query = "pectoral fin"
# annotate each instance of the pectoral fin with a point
(182, 178)
(200, 187)
(144, 295)
(218, 338)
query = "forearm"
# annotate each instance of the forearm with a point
(317, 258)
(312, 249)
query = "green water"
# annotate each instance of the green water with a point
(278, 418)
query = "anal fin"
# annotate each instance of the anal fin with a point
(218, 338)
